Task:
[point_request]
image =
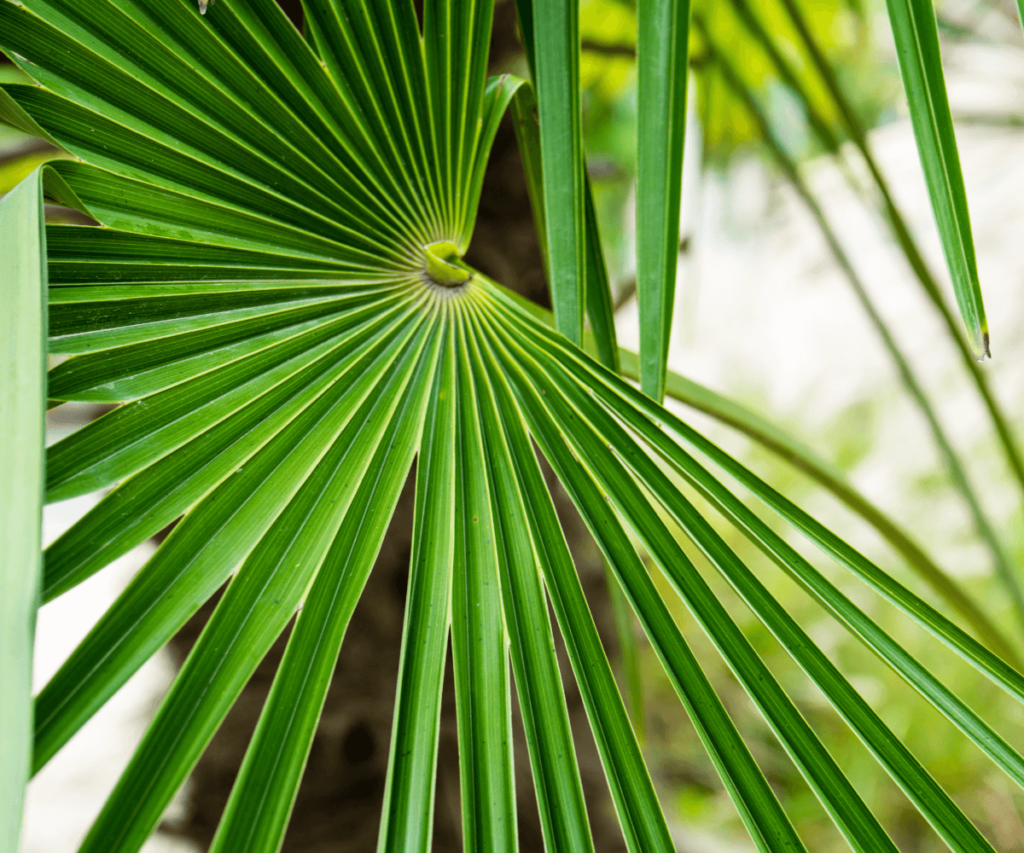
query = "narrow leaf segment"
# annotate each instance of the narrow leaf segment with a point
(917, 45)
(556, 58)
(22, 425)
(662, 39)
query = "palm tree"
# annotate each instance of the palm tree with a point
(277, 304)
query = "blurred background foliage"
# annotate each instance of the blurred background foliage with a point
(749, 58)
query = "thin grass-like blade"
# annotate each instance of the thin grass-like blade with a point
(640, 815)
(662, 40)
(255, 609)
(22, 459)
(917, 46)
(408, 813)
(480, 642)
(557, 82)
(256, 816)
(549, 740)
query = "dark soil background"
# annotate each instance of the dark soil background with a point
(339, 802)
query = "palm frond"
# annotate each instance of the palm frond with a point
(276, 301)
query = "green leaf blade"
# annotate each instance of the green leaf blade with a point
(662, 40)
(480, 644)
(408, 812)
(640, 814)
(22, 459)
(917, 46)
(557, 82)
(261, 801)
(549, 740)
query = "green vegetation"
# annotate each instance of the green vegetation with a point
(277, 305)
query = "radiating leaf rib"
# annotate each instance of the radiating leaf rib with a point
(479, 642)
(441, 31)
(163, 46)
(758, 807)
(142, 368)
(834, 790)
(402, 59)
(349, 45)
(917, 47)
(663, 28)
(557, 82)
(613, 391)
(930, 799)
(408, 812)
(771, 437)
(85, 255)
(199, 555)
(91, 319)
(100, 79)
(386, 41)
(149, 501)
(252, 117)
(134, 436)
(22, 460)
(636, 802)
(563, 813)
(256, 816)
(148, 158)
(263, 38)
(141, 207)
(471, 44)
(255, 609)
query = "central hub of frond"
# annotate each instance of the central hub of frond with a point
(441, 265)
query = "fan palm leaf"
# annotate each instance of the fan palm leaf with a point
(276, 301)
